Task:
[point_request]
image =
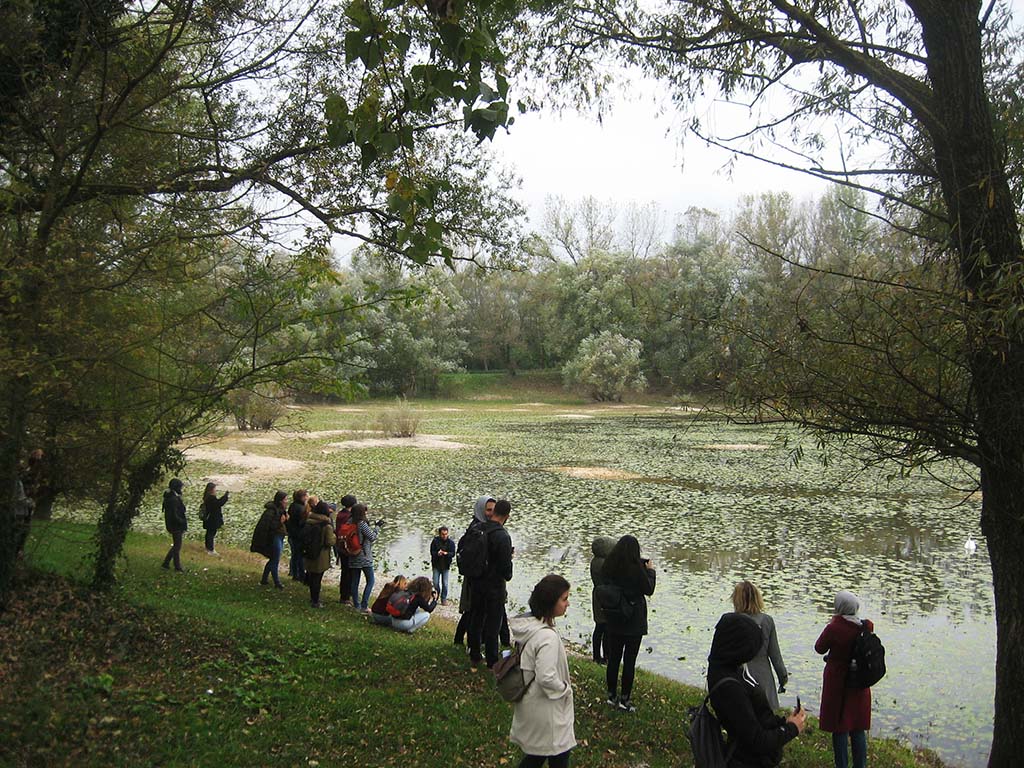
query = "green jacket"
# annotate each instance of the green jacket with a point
(322, 563)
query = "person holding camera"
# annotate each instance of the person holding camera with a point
(442, 551)
(420, 606)
(362, 562)
(635, 578)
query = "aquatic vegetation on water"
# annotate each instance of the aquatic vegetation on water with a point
(711, 503)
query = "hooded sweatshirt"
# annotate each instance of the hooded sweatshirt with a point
(741, 706)
(601, 546)
(543, 720)
(175, 519)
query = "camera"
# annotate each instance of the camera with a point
(379, 523)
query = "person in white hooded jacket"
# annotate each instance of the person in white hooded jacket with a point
(543, 720)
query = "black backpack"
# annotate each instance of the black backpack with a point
(619, 609)
(312, 540)
(705, 734)
(867, 660)
(471, 554)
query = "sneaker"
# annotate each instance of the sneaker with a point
(626, 705)
(612, 699)
(166, 566)
(279, 585)
(316, 605)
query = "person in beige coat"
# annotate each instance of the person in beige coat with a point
(318, 523)
(543, 720)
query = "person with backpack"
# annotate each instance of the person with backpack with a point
(212, 514)
(747, 599)
(845, 711)
(296, 518)
(632, 580)
(756, 734)
(490, 570)
(362, 561)
(410, 609)
(483, 508)
(343, 516)
(379, 608)
(543, 719)
(442, 552)
(176, 522)
(268, 538)
(317, 541)
(601, 547)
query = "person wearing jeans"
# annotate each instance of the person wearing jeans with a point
(845, 712)
(361, 563)
(442, 550)
(422, 604)
(296, 518)
(276, 518)
(175, 521)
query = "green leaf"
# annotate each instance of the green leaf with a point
(402, 42)
(336, 108)
(386, 143)
(369, 155)
(371, 56)
(435, 230)
(355, 44)
(358, 14)
(486, 92)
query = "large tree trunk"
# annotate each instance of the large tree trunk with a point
(986, 237)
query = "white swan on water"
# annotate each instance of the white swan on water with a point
(970, 545)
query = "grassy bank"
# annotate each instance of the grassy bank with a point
(208, 668)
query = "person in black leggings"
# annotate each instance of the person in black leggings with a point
(633, 579)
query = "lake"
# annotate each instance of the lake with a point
(711, 503)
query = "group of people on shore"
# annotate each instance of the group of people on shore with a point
(744, 650)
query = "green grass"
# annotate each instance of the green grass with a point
(208, 668)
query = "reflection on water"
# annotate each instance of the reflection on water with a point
(712, 516)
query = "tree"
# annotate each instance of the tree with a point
(606, 366)
(919, 76)
(155, 162)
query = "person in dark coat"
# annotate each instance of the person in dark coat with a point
(488, 590)
(268, 539)
(844, 710)
(442, 551)
(212, 514)
(601, 547)
(296, 517)
(343, 516)
(483, 508)
(636, 577)
(756, 733)
(175, 521)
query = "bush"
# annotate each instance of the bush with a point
(606, 365)
(400, 421)
(258, 408)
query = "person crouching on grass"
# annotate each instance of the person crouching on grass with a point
(418, 609)
(543, 720)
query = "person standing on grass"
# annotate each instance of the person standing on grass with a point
(320, 518)
(296, 517)
(543, 720)
(483, 508)
(489, 590)
(344, 516)
(601, 547)
(747, 599)
(442, 551)
(421, 604)
(739, 701)
(845, 712)
(274, 524)
(175, 521)
(362, 563)
(212, 514)
(636, 578)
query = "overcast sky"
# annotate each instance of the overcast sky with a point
(637, 155)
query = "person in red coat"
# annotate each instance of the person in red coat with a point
(844, 710)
